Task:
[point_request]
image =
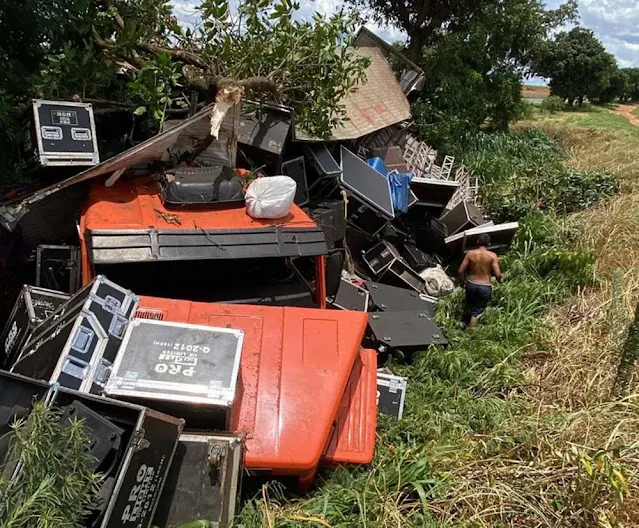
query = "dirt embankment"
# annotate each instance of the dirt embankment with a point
(626, 111)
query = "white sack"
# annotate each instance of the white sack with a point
(270, 197)
(438, 283)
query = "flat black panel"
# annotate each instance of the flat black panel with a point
(367, 183)
(331, 219)
(296, 169)
(394, 299)
(409, 329)
(501, 237)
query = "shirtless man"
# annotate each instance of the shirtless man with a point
(479, 263)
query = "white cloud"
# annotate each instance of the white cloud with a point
(615, 22)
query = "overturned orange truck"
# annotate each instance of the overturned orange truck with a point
(307, 390)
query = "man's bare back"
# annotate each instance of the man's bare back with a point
(480, 263)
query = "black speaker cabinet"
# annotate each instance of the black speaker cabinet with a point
(204, 481)
(465, 215)
(33, 306)
(58, 268)
(409, 330)
(380, 256)
(351, 297)
(401, 274)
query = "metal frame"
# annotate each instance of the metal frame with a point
(112, 389)
(107, 246)
(65, 159)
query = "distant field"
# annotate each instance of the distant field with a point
(535, 91)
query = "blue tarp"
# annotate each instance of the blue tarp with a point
(399, 184)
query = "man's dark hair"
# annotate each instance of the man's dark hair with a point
(483, 240)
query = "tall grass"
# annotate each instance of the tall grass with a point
(510, 425)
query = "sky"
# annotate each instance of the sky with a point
(615, 22)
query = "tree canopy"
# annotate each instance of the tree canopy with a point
(134, 54)
(474, 53)
(577, 64)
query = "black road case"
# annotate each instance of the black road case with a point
(402, 275)
(78, 343)
(138, 470)
(465, 215)
(409, 330)
(391, 393)
(351, 297)
(380, 256)
(59, 133)
(184, 369)
(33, 306)
(58, 268)
(204, 481)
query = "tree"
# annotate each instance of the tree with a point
(427, 21)
(134, 54)
(632, 88)
(617, 87)
(475, 66)
(577, 64)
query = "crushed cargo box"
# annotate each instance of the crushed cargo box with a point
(294, 371)
(126, 232)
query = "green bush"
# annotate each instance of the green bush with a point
(553, 104)
(520, 174)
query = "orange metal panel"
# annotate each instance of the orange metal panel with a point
(353, 439)
(296, 363)
(137, 205)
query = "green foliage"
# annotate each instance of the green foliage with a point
(577, 64)
(55, 486)
(523, 173)
(616, 89)
(628, 361)
(632, 84)
(553, 104)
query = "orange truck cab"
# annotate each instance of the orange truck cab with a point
(306, 391)
(210, 254)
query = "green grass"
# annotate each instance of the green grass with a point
(594, 118)
(474, 449)
(636, 112)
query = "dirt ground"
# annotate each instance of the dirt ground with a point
(626, 111)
